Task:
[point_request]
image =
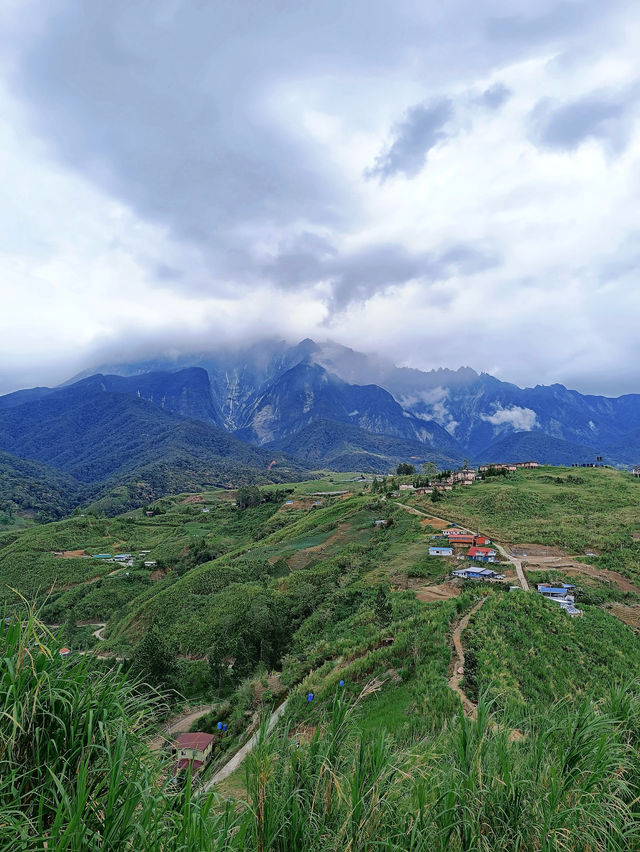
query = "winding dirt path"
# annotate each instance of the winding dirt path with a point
(99, 633)
(234, 762)
(468, 706)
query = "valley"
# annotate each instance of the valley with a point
(236, 612)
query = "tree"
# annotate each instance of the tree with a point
(405, 469)
(436, 496)
(430, 469)
(248, 496)
(154, 659)
(382, 607)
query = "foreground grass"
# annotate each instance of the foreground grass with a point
(76, 774)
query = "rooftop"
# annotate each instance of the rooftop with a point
(198, 741)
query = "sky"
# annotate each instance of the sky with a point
(443, 184)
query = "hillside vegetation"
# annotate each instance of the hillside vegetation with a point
(76, 774)
(291, 591)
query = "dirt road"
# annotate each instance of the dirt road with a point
(517, 563)
(99, 633)
(468, 706)
(232, 764)
(178, 725)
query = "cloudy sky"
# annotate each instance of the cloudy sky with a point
(445, 184)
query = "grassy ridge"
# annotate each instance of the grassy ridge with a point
(524, 650)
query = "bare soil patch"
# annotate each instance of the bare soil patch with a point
(301, 558)
(194, 498)
(158, 574)
(441, 592)
(628, 614)
(69, 554)
(436, 523)
(531, 551)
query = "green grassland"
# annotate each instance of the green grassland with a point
(576, 509)
(245, 607)
(238, 593)
(524, 650)
(579, 510)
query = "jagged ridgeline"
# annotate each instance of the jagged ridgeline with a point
(130, 433)
(408, 708)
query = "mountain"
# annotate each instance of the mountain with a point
(344, 447)
(307, 393)
(32, 488)
(105, 438)
(535, 446)
(262, 400)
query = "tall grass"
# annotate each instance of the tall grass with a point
(566, 779)
(76, 774)
(75, 770)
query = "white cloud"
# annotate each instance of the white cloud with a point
(518, 418)
(115, 232)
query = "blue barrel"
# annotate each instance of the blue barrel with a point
(310, 696)
(219, 726)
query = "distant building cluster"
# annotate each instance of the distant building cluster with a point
(510, 467)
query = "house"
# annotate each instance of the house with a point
(510, 468)
(636, 470)
(481, 540)
(406, 487)
(102, 556)
(122, 557)
(560, 594)
(527, 464)
(205, 511)
(481, 554)
(150, 563)
(464, 538)
(440, 551)
(192, 750)
(381, 523)
(464, 475)
(477, 574)
(65, 652)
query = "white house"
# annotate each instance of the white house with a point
(440, 551)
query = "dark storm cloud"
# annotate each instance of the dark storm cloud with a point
(355, 276)
(424, 126)
(421, 129)
(598, 115)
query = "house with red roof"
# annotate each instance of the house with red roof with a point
(192, 750)
(481, 554)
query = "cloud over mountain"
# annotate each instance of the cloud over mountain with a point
(182, 172)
